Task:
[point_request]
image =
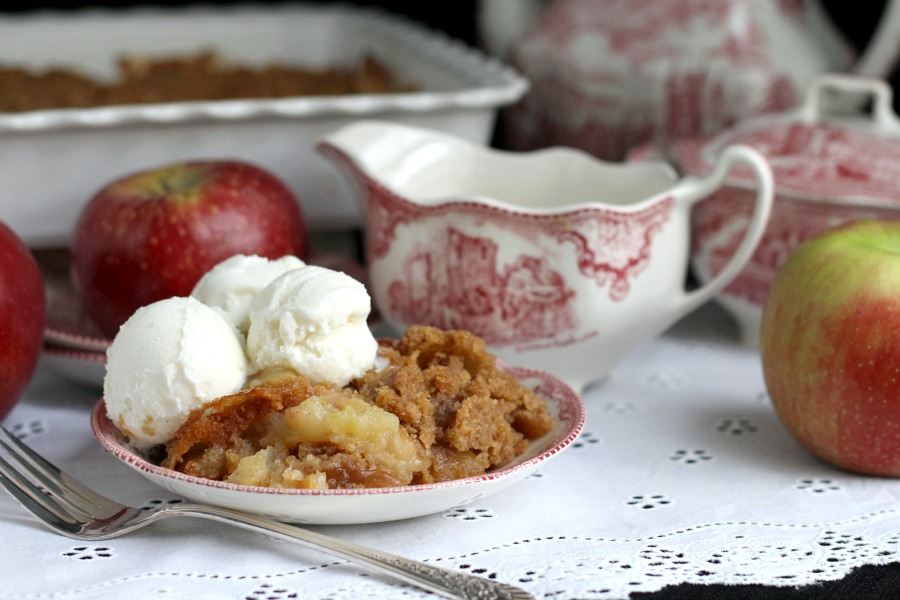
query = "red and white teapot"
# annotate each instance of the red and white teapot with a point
(609, 75)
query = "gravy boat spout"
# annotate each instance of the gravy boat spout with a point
(556, 259)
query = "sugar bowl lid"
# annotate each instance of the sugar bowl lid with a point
(842, 144)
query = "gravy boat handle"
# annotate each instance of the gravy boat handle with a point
(698, 188)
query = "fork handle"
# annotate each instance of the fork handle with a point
(447, 583)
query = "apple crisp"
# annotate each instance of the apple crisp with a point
(437, 407)
(201, 77)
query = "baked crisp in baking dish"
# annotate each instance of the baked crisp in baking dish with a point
(200, 77)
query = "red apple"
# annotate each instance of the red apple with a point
(153, 234)
(23, 304)
(830, 346)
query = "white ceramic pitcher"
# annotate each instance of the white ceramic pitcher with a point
(558, 260)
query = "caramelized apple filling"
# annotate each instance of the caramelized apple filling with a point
(438, 409)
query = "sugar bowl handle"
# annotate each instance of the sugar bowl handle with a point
(836, 97)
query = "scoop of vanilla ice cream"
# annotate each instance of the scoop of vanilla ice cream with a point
(232, 284)
(313, 320)
(168, 358)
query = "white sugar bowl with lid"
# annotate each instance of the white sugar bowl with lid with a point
(831, 165)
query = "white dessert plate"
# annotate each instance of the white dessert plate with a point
(354, 506)
(79, 365)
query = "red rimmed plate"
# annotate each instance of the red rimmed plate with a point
(69, 326)
(344, 507)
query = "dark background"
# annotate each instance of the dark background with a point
(457, 19)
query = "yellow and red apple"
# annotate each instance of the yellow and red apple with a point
(22, 317)
(830, 346)
(151, 235)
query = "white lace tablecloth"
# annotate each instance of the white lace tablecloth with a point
(682, 474)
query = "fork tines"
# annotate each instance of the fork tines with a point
(54, 497)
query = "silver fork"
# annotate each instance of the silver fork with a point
(74, 510)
